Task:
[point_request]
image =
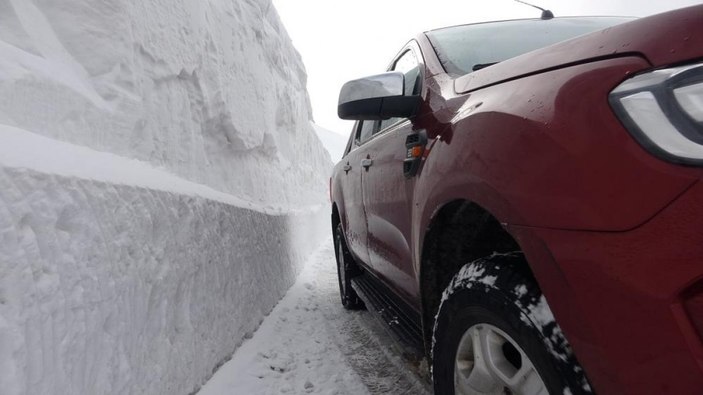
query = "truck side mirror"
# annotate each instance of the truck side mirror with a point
(377, 97)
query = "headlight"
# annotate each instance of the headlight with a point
(663, 109)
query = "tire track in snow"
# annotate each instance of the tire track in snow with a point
(364, 343)
(310, 344)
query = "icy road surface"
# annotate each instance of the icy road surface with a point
(310, 344)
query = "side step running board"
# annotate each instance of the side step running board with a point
(403, 321)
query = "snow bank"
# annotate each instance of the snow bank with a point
(160, 185)
(211, 91)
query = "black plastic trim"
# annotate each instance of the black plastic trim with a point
(411, 165)
(380, 108)
(403, 322)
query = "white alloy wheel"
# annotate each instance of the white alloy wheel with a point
(488, 361)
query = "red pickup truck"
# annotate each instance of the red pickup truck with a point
(522, 201)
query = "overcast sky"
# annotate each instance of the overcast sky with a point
(341, 40)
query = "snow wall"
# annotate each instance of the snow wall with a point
(160, 186)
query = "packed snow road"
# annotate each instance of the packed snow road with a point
(310, 344)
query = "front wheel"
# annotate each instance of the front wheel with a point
(495, 334)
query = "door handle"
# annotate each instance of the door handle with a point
(346, 168)
(366, 163)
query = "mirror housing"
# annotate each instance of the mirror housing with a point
(377, 97)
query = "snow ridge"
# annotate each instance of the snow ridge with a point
(20, 149)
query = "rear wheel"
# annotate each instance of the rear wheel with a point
(346, 270)
(495, 334)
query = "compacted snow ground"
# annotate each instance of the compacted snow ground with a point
(310, 344)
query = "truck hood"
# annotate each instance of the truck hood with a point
(661, 39)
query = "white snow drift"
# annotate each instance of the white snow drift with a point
(333, 142)
(160, 184)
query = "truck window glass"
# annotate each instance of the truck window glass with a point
(460, 48)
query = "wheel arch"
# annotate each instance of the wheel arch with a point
(459, 231)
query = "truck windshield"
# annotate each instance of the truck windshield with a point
(466, 48)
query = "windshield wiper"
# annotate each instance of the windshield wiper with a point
(482, 66)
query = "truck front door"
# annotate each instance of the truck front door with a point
(354, 216)
(388, 192)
